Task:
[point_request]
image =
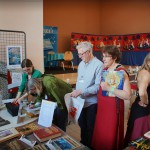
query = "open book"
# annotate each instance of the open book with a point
(114, 79)
(74, 107)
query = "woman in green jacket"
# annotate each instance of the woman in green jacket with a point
(53, 89)
(29, 72)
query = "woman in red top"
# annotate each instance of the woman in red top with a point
(109, 126)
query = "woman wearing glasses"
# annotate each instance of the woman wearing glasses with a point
(29, 72)
(109, 124)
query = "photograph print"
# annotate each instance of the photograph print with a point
(14, 57)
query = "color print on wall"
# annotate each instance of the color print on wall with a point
(14, 57)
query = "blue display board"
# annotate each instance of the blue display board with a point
(50, 36)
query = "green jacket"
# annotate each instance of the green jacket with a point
(55, 89)
(35, 74)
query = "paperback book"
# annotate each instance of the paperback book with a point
(28, 128)
(65, 143)
(8, 134)
(115, 79)
(15, 145)
(45, 134)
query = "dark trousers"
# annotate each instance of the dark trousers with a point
(86, 123)
(60, 118)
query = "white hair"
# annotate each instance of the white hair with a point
(85, 46)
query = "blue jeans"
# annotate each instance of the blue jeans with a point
(60, 118)
(86, 123)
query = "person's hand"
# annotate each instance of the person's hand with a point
(76, 93)
(105, 86)
(142, 104)
(16, 100)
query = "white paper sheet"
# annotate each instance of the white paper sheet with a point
(74, 107)
(46, 113)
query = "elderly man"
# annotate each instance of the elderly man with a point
(87, 86)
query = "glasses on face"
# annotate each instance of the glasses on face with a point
(81, 54)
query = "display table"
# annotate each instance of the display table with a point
(13, 120)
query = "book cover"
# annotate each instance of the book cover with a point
(66, 143)
(8, 134)
(114, 79)
(28, 128)
(45, 134)
(16, 145)
(140, 143)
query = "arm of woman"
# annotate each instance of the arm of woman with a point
(122, 94)
(143, 81)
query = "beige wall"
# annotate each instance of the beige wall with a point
(27, 16)
(96, 17)
(125, 17)
(72, 16)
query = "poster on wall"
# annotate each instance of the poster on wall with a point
(14, 57)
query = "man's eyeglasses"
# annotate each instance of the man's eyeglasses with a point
(81, 54)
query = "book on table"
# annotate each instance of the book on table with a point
(15, 145)
(115, 79)
(8, 134)
(65, 142)
(28, 128)
(141, 143)
(47, 133)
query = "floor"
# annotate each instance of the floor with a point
(74, 130)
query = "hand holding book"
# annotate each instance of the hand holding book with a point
(111, 80)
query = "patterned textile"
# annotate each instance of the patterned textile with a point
(130, 42)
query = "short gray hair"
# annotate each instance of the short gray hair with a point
(86, 46)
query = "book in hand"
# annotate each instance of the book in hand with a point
(45, 134)
(147, 135)
(65, 143)
(28, 128)
(8, 134)
(140, 144)
(115, 79)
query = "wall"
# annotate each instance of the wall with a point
(125, 17)
(27, 16)
(72, 16)
(96, 17)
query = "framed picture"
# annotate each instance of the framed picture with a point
(14, 57)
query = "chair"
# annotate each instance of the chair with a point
(68, 57)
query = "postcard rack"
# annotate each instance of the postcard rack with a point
(9, 38)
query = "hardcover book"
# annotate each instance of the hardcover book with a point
(28, 128)
(65, 142)
(8, 134)
(114, 78)
(45, 134)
